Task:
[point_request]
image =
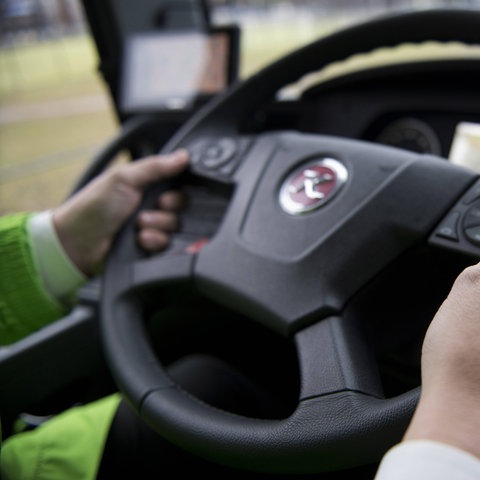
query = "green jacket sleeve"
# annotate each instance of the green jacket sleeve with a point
(24, 305)
(67, 447)
(70, 445)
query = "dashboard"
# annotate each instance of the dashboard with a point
(416, 106)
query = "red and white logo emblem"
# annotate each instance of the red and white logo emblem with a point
(312, 185)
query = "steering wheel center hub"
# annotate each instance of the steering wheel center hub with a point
(312, 185)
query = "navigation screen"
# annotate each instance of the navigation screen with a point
(169, 71)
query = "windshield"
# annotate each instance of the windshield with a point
(56, 111)
(273, 28)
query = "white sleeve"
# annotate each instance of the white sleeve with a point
(59, 276)
(428, 460)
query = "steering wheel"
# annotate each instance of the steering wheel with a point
(306, 222)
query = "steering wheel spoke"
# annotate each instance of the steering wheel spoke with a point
(334, 356)
(161, 270)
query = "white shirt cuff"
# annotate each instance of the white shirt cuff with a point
(425, 460)
(59, 276)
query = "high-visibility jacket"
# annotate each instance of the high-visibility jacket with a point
(70, 445)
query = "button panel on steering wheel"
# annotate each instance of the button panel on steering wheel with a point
(460, 229)
(207, 201)
(216, 157)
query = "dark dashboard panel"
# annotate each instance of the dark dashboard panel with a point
(416, 106)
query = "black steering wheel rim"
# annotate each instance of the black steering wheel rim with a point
(357, 424)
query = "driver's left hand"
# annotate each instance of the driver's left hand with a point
(87, 223)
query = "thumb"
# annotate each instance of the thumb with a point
(155, 168)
